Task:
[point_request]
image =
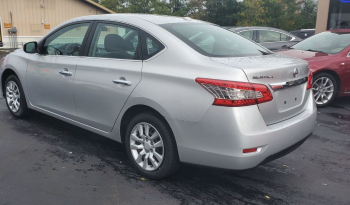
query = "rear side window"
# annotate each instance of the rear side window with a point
(150, 45)
(247, 34)
(272, 36)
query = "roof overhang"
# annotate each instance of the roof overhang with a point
(99, 6)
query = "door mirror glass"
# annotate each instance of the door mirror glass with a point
(30, 47)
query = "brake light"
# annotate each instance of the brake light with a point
(235, 94)
(309, 81)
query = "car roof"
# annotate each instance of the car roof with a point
(339, 30)
(237, 29)
(152, 18)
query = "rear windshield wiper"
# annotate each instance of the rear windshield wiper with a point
(264, 52)
(315, 51)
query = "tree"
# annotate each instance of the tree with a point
(252, 13)
(222, 12)
(284, 14)
(307, 16)
(114, 5)
(275, 12)
(196, 9)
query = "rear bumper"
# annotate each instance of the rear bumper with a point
(219, 138)
(285, 151)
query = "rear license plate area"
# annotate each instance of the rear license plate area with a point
(289, 98)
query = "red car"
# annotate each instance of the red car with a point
(328, 54)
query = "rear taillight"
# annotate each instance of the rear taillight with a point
(309, 81)
(235, 94)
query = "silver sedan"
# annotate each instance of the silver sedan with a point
(171, 89)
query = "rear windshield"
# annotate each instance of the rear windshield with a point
(326, 42)
(214, 41)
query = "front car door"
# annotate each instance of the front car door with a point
(273, 40)
(50, 74)
(107, 75)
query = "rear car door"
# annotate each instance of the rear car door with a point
(50, 74)
(273, 40)
(107, 74)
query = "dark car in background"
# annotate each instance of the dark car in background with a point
(303, 33)
(328, 54)
(270, 38)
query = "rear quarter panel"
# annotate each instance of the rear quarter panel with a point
(168, 84)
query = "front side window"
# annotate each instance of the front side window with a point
(66, 41)
(114, 41)
(214, 41)
(272, 36)
(326, 42)
(247, 34)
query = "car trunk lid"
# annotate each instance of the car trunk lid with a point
(273, 71)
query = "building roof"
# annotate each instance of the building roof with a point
(99, 6)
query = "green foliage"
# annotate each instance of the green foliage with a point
(284, 14)
(307, 15)
(252, 13)
(222, 12)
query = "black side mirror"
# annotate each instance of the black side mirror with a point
(30, 47)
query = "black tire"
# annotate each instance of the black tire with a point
(171, 162)
(23, 109)
(335, 88)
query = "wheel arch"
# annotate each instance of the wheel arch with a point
(6, 73)
(333, 73)
(137, 109)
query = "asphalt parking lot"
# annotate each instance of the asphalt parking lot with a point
(46, 161)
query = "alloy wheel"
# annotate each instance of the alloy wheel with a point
(147, 147)
(13, 96)
(323, 90)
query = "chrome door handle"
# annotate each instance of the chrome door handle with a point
(124, 82)
(65, 72)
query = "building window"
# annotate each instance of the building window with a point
(339, 15)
